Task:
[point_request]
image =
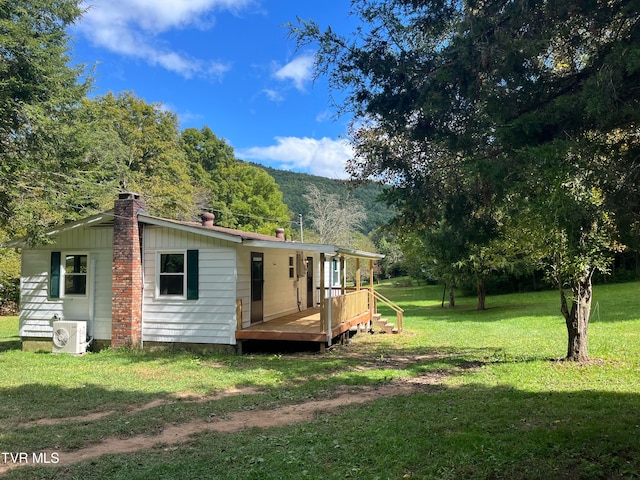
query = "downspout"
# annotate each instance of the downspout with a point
(92, 311)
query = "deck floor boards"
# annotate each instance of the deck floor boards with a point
(301, 326)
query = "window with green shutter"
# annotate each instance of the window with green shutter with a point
(178, 271)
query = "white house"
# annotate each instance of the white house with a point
(140, 281)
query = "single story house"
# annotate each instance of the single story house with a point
(134, 280)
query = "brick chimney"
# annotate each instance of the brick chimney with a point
(126, 274)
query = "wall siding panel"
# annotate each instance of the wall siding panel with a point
(280, 294)
(210, 318)
(37, 309)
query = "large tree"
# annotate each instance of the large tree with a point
(241, 195)
(39, 92)
(127, 143)
(538, 100)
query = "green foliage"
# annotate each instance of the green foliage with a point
(242, 195)
(39, 93)
(254, 200)
(9, 278)
(129, 144)
(38, 86)
(535, 103)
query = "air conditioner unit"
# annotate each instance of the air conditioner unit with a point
(69, 337)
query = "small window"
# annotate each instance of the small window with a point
(75, 275)
(172, 274)
(291, 268)
(335, 268)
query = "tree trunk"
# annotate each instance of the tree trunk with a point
(452, 298)
(482, 295)
(577, 319)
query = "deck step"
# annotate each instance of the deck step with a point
(383, 325)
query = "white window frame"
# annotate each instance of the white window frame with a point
(159, 274)
(335, 272)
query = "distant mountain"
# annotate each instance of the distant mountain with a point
(294, 185)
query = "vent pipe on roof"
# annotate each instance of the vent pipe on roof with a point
(280, 233)
(208, 219)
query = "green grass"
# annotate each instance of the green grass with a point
(505, 405)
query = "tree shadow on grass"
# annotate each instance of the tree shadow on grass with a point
(9, 343)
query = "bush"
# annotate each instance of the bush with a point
(9, 295)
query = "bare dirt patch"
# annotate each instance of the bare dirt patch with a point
(174, 434)
(190, 397)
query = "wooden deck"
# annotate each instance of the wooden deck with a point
(302, 326)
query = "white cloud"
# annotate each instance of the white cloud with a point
(132, 27)
(324, 116)
(273, 95)
(299, 71)
(325, 157)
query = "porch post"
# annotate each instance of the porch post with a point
(322, 293)
(372, 298)
(343, 275)
(357, 274)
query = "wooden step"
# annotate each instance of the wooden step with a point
(383, 325)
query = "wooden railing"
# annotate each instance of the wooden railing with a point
(346, 307)
(399, 311)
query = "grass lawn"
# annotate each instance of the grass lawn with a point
(489, 399)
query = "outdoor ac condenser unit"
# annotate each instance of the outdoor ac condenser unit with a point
(69, 337)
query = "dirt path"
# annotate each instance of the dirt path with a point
(174, 434)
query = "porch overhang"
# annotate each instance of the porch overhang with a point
(328, 250)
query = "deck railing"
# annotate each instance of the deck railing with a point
(346, 307)
(399, 311)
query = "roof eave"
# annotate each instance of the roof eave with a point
(279, 244)
(159, 222)
(94, 220)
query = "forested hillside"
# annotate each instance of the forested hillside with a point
(294, 185)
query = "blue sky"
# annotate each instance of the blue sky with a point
(226, 64)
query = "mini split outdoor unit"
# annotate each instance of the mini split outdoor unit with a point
(69, 337)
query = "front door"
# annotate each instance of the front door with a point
(257, 286)
(309, 282)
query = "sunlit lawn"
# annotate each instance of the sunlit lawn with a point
(505, 406)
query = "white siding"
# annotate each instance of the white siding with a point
(211, 318)
(280, 292)
(37, 309)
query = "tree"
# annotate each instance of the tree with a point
(537, 100)
(241, 195)
(129, 144)
(334, 219)
(39, 92)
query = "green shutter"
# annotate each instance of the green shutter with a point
(192, 274)
(54, 276)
